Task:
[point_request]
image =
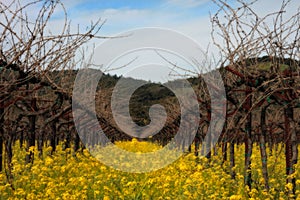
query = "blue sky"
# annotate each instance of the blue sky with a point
(176, 5)
(189, 17)
(117, 4)
(124, 15)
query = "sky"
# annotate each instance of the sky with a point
(190, 18)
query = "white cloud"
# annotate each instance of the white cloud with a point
(186, 3)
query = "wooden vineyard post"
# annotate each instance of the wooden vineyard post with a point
(248, 139)
(1, 136)
(232, 160)
(290, 150)
(31, 136)
(262, 144)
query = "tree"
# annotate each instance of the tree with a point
(34, 62)
(245, 41)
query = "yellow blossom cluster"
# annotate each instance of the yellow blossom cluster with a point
(65, 176)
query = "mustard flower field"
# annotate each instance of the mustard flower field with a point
(64, 175)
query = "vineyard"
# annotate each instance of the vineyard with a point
(43, 156)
